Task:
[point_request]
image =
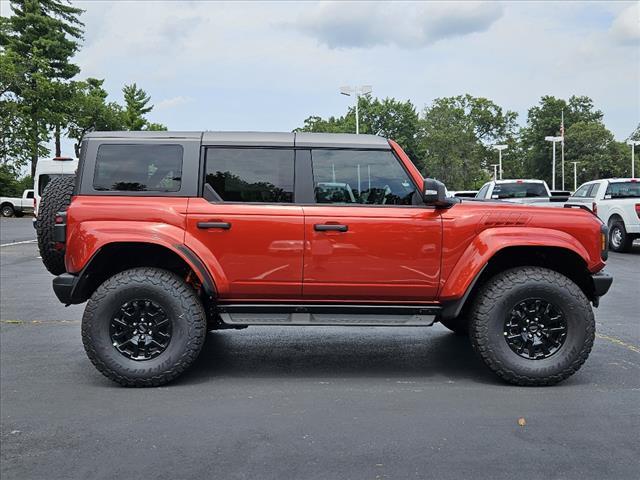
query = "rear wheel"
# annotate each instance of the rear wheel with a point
(619, 239)
(55, 198)
(532, 326)
(143, 327)
(7, 210)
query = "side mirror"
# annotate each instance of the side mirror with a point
(435, 193)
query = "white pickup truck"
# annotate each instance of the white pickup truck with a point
(616, 201)
(519, 191)
(10, 206)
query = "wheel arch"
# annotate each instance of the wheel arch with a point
(560, 259)
(115, 257)
(613, 217)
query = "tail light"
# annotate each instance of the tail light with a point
(594, 208)
(638, 209)
(60, 229)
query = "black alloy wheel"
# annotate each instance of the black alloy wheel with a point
(140, 330)
(535, 329)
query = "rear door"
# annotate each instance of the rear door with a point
(246, 225)
(368, 235)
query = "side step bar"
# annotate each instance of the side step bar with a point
(322, 314)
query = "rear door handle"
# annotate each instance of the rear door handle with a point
(221, 225)
(328, 227)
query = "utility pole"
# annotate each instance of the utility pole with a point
(633, 144)
(500, 148)
(553, 162)
(357, 92)
(575, 176)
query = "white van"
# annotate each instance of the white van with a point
(47, 169)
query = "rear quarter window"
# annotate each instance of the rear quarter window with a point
(138, 168)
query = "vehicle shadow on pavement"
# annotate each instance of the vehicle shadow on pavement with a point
(263, 352)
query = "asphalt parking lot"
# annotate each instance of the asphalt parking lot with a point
(302, 403)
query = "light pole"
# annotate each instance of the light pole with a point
(553, 163)
(562, 146)
(575, 176)
(495, 170)
(357, 91)
(633, 144)
(500, 148)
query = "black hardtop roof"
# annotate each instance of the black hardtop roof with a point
(268, 139)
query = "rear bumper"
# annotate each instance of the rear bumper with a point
(601, 283)
(64, 286)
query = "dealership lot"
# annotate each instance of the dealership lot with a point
(321, 402)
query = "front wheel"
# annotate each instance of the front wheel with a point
(532, 326)
(143, 327)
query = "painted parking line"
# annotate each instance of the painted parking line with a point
(618, 342)
(18, 243)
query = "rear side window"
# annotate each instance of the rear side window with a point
(250, 174)
(138, 168)
(361, 177)
(623, 190)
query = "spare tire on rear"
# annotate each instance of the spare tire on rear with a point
(55, 198)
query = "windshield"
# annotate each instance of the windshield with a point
(623, 190)
(519, 190)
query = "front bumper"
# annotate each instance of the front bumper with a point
(64, 286)
(601, 283)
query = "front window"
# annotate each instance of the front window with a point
(360, 177)
(629, 189)
(584, 191)
(519, 190)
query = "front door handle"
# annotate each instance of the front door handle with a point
(329, 227)
(221, 225)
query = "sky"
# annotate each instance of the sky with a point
(267, 66)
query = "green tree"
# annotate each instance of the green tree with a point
(37, 42)
(388, 117)
(598, 154)
(91, 111)
(544, 120)
(456, 138)
(136, 107)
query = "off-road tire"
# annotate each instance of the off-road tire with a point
(458, 325)
(626, 240)
(494, 302)
(7, 210)
(183, 308)
(55, 198)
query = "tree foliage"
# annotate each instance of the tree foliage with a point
(92, 111)
(456, 139)
(38, 42)
(136, 107)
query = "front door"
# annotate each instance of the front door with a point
(368, 235)
(246, 227)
